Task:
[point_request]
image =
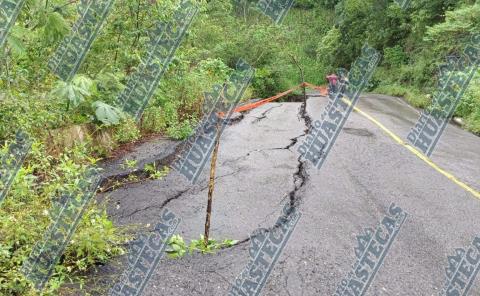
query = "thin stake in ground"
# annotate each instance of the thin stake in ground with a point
(211, 183)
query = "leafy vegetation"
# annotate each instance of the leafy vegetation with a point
(154, 173)
(178, 248)
(24, 217)
(75, 123)
(415, 42)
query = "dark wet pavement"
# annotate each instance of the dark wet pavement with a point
(364, 173)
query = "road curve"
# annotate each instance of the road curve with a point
(366, 171)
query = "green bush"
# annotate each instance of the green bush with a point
(153, 120)
(394, 56)
(469, 106)
(180, 130)
(473, 121)
(413, 96)
(24, 217)
(471, 98)
(127, 131)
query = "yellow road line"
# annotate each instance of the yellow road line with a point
(419, 154)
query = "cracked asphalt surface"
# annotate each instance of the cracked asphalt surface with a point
(259, 169)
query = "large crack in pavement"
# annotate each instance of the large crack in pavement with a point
(118, 180)
(264, 114)
(303, 114)
(154, 195)
(252, 199)
(176, 196)
(300, 177)
(158, 207)
(293, 141)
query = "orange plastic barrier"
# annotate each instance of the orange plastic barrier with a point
(322, 90)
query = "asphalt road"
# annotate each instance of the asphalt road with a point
(258, 169)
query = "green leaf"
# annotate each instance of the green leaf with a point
(229, 242)
(84, 83)
(55, 28)
(16, 44)
(107, 114)
(75, 91)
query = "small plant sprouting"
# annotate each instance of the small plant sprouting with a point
(154, 173)
(178, 248)
(132, 178)
(129, 164)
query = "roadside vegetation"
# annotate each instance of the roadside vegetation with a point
(414, 42)
(71, 130)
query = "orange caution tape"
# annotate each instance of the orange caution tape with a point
(323, 92)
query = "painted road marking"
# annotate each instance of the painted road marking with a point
(418, 153)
